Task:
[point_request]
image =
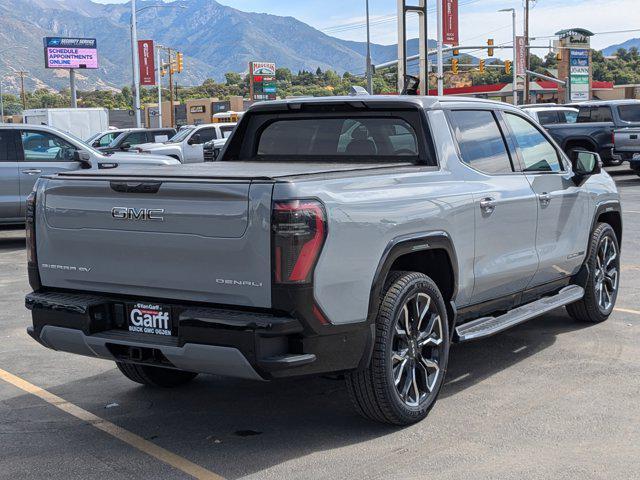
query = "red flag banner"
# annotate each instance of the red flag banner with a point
(450, 22)
(146, 59)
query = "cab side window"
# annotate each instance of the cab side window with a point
(480, 140)
(7, 146)
(40, 146)
(135, 138)
(538, 154)
(207, 134)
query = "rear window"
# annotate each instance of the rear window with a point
(595, 114)
(365, 139)
(629, 113)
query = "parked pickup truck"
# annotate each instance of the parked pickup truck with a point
(595, 129)
(187, 144)
(360, 235)
(121, 140)
(29, 151)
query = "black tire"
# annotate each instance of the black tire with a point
(373, 390)
(155, 376)
(591, 308)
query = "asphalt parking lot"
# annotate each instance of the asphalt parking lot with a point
(552, 398)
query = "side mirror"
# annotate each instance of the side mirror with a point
(96, 144)
(195, 139)
(84, 158)
(585, 164)
(216, 153)
(125, 146)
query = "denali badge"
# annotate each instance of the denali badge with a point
(126, 213)
(238, 283)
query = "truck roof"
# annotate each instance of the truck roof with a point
(424, 102)
(595, 103)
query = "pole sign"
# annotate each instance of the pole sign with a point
(262, 77)
(450, 22)
(147, 62)
(579, 74)
(521, 56)
(69, 53)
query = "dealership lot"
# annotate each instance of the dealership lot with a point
(549, 399)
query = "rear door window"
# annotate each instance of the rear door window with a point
(601, 114)
(207, 134)
(481, 142)
(548, 118)
(135, 138)
(568, 116)
(629, 113)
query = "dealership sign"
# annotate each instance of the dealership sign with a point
(450, 22)
(70, 53)
(521, 55)
(262, 77)
(147, 63)
(579, 74)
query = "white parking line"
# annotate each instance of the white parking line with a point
(627, 310)
(120, 433)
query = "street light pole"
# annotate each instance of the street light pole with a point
(136, 68)
(515, 54)
(159, 67)
(440, 53)
(369, 72)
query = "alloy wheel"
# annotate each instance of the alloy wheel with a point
(417, 349)
(606, 273)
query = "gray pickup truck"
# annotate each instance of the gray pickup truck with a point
(29, 151)
(360, 235)
(609, 128)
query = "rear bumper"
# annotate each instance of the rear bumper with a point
(243, 344)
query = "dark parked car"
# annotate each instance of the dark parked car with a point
(601, 127)
(123, 140)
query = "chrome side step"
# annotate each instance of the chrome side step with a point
(487, 326)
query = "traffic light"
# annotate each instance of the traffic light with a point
(481, 66)
(180, 62)
(559, 56)
(454, 66)
(507, 67)
(163, 71)
(456, 52)
(490, 50)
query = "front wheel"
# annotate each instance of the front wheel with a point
(601, 290)
(409, 362)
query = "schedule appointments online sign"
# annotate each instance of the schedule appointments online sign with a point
(70, 53)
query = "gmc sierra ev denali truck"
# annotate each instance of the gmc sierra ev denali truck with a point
(360, 235)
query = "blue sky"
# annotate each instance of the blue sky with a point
(478, 18)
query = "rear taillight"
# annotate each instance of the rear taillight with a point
(30, 222)
(299, 229)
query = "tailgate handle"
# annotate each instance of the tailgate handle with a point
(634, 137)
(136, 187)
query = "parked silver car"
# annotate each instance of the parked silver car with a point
(29, 151)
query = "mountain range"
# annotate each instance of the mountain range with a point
(632, 42)
(214, 39)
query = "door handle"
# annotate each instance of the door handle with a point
(32, 171)
(545, 199)
(488, 205)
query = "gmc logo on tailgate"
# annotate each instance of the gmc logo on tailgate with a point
(127, 213)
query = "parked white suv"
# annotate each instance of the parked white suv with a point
(550, 115)
(187, 144)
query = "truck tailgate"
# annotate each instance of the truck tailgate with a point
(203, 241)
(627, 140)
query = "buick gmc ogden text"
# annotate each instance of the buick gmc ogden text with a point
(360, 235)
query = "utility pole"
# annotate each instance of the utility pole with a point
(440, 54)
(526, 36)
(159, 67)
(22, 93)
(369, 72)
(72, 85)
(136, 67)
(515, 52)
(171, 111)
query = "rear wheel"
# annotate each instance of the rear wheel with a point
(601, 290)
(407, 369)
(155, 376)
